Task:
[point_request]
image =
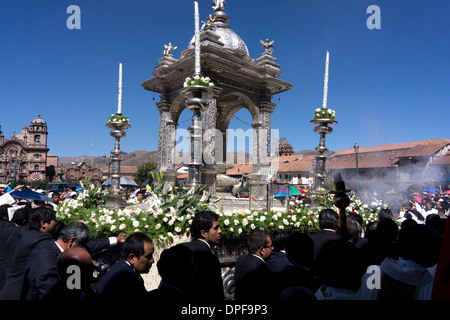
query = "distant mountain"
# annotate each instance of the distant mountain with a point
(137, 158)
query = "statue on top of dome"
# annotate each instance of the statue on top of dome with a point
(218, 5)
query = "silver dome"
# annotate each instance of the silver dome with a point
(228, 37)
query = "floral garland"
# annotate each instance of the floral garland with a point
(168, 214)
(324, 113)
(198, 81)
(118, 118)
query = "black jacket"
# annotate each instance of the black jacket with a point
(208, 284)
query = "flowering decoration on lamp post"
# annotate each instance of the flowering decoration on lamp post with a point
(323, 118)
(198, 90)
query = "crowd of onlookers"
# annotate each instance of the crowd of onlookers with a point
(399, 256)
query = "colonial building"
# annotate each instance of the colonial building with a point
(79, 172)
(24, 154)
(400, 165)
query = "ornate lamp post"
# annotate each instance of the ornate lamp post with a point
(14, 166)
(108, 163)
(117, 123)
(356, 148)
(197, 91)
(323, 119)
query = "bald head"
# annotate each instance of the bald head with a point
(73, 260)
(75, 256)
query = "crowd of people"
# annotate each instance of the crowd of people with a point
(42, 260)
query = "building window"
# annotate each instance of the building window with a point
(37, 138)
(36, 167)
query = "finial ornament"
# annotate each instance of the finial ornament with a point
(268, 46)
(218, 5)
(168, 50)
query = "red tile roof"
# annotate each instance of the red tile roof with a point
(380, 156)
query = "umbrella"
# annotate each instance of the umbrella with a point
(124, 181)
(430, 189)
(302, 191)
(29, 194)
(446, 192)
(281, 192)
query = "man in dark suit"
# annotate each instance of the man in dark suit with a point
(278, 261)
(253, 280)
(19, 219)
(67, 287)
(41, 270)
(176, 268)
(328, 223)
(40, 227)
(205, 231)
(123, 280)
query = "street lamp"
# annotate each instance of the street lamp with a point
(108, 163)
(13, 165)
(356, 148)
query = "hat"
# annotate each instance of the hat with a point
(73, 193)
(4, 186)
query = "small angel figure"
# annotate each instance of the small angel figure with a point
(208, 22)
(268, 46)
(168, 49)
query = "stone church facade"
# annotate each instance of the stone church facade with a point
(25, 154)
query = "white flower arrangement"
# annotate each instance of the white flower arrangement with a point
(324, 113)
(198, 81)
(118, 118)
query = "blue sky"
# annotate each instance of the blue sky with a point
(387, 86)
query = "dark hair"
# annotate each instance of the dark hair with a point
(300, 249)
(353, 229)
(385, 214)
(420, 243)
(328, 219)
(388, 230)
(339, 265)
(356, 217)
(39, 214)
(279, 237)
(4, 211)
(256, 240)
(203, 220)
(176, 267)
(134, 244)
(21, 216)
(78, 230)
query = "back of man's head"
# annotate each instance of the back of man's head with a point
(353, 230)
(21, 216)
(76, 259)
(256, 240)
(176, 267)
(279, 237)
(77, 230)
(300, 249)
(328, 219)
(385, 214)
(4, 212)
(419, 243)
(203, 220)
(40, 214)
(134, 244)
